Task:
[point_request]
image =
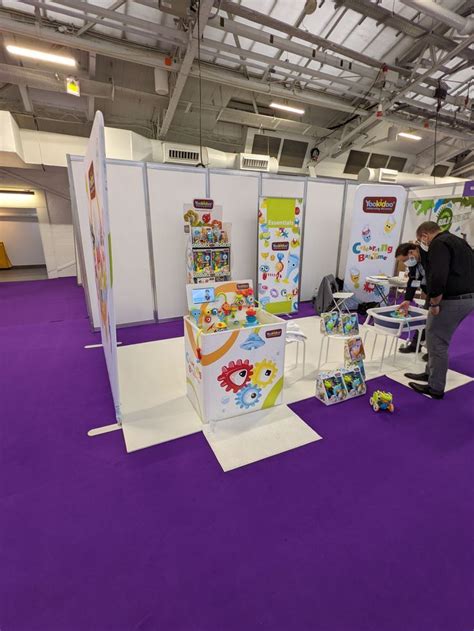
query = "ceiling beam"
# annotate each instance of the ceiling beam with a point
(88, 25)
(261, 18)
(205, 7)
(408, 27)
(125, 52)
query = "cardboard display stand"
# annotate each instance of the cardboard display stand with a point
(207, 242)
(236, 369)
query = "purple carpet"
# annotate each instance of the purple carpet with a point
(367, 530)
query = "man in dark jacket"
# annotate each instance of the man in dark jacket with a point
(450, 288)
(415, 260)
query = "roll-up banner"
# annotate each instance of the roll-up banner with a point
(96, 188)
(280, 226)
(375, 233)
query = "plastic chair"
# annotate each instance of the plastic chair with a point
(340, 298)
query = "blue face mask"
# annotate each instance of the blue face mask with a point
(411, 261)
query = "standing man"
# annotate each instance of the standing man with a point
(450, 288)
(416, 261)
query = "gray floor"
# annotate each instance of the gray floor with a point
(23, 273)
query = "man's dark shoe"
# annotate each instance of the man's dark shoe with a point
(421, 376)
(425, 389)
(409, 348)
(425, 357)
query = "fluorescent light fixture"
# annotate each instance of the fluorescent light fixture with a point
(12, 191)
(409, 135)
(287, 108)
(41, 55)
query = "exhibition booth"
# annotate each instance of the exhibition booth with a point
(235, 253)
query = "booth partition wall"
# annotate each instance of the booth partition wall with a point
(146, 214)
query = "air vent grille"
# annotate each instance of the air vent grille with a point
(182, 155)
(252, 162)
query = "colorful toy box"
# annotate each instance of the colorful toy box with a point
(335, 323)
(339, 385)
(235, 351)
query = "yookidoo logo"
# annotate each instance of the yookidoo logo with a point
(273, 333)
(382, 205)
(203, 204)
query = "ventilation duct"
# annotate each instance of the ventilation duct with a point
(464, 26)
(389, 176)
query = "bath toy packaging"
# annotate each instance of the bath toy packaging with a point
(335, 323)
(354, 350)
(280, 226)
(339, 385)
(207, 242)
(235, 352)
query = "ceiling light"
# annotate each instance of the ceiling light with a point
(409, 135)
(287, 108)
(13, 191)
(41, 55)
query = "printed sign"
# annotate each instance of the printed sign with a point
(450, 213)
(96, 189)
(375, 234)
(280, 226)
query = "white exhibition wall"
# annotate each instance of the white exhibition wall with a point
(22, 239)
(146, 214)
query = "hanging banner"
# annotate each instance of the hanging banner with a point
(96, 188)
(280, 226)
(375, 233)
(450, 213)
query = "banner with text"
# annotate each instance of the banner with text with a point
(280, 226)
(450, 213)
(375, 233)
(96, 188)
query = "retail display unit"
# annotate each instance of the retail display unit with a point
(235, 351)
(207, 242)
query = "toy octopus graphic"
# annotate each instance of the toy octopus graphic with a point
(279, 266)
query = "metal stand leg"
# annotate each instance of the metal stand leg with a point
(304, 357)
(327, 350)
(373, 347)
(383, 352)
(321, 353)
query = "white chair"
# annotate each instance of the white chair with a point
(340, 298)
(294, 335)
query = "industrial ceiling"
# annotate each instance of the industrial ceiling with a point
(361, 70)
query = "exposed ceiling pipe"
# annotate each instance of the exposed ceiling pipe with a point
(442, 130)
(463, 25)
(252, 85)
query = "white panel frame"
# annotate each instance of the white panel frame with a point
(237, 192)
(169, 188)
(323, 213)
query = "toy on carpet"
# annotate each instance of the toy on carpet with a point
(381, 400)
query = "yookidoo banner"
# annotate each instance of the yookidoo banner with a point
(280, 226)
(375, 233)
(96, 188)
(450, 213)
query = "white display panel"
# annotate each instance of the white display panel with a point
(133, 290)
(412, 218)
(88, 280)
(346, 227)
(238, 195)
(322, 225)
(282, 187)
(168, 190)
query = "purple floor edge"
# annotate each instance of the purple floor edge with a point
(369, 529)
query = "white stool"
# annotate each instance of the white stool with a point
(294, 335)
(327, 338)
(340, 298)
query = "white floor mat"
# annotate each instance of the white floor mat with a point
(153, 394)
(454, 379)
(244, 439)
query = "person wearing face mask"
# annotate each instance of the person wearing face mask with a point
(416, 260)
(450, 289)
